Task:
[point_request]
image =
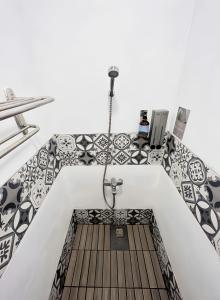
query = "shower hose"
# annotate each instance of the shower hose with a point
(111, 206)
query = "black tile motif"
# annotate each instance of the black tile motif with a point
(139, 157)
(167, 272)
(198, 185)
(196, 171)
(59, 280)
(6, 247)
(121, 141)
(116, 217)
(140, 142)
(10, 196)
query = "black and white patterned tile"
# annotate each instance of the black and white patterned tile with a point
(24, 193)
(6, 248)
(117, 216)
(167, 272)
(60, 276)
(198, 185)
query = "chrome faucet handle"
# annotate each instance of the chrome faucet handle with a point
(120, 181)
(113, 182)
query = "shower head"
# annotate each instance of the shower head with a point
(113, 72)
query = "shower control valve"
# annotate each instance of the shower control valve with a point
(113, 183)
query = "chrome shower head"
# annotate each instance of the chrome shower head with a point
(113, 72)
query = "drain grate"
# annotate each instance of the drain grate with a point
(119, 237)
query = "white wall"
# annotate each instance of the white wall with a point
(199, 86)
(63, 49)
(195, 262)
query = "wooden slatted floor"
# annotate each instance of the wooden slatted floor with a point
(97, 272)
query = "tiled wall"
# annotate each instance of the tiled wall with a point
(23, 194)
(198, 185)
(119, 217)
(60, 276)
(168, 275)
(21, 197)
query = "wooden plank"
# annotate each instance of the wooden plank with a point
(122, 294)
(142, 269)
(89, 237)
(121, 270)
(130, 294)
(95, 237)
(78, 268)
(106, 294)
(81, 293)
(114, 294)
(157, 270)
(107, 238)
(106, 269)
(92, 269)
(114, 269)
(131, 237)
(99, 269)
(101, 237)
(135, 269)
(147, 294)
(85, 268)
(155, 294)
(138, 294)
(163, 295)
(150, 270)
(77, 237)
(149, 237)
(71, 268)
(73, 294)
(98, 294)
(128, 270)
(143, 238)
(66, 293)
(82, 243)
(90, 293)
(137, 238)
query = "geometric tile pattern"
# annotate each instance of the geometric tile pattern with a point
(168, 275)
(116, 217)
(198, 185)
(6, 247)
(23, 194)
(59, 280)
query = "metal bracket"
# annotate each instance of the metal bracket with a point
(14, 108)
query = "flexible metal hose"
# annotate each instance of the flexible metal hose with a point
(107, 156)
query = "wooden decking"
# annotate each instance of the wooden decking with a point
(97, 272)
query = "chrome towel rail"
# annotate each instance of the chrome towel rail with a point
(28, 135)
(14, 107)
(18, 105)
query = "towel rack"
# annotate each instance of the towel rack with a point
(14, 107)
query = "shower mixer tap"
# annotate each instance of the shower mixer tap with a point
(113, 183)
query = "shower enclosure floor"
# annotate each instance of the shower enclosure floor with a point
(97, 272)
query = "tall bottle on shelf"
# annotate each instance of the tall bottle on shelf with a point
(144, 125)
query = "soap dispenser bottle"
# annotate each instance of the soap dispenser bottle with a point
(144, 126)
